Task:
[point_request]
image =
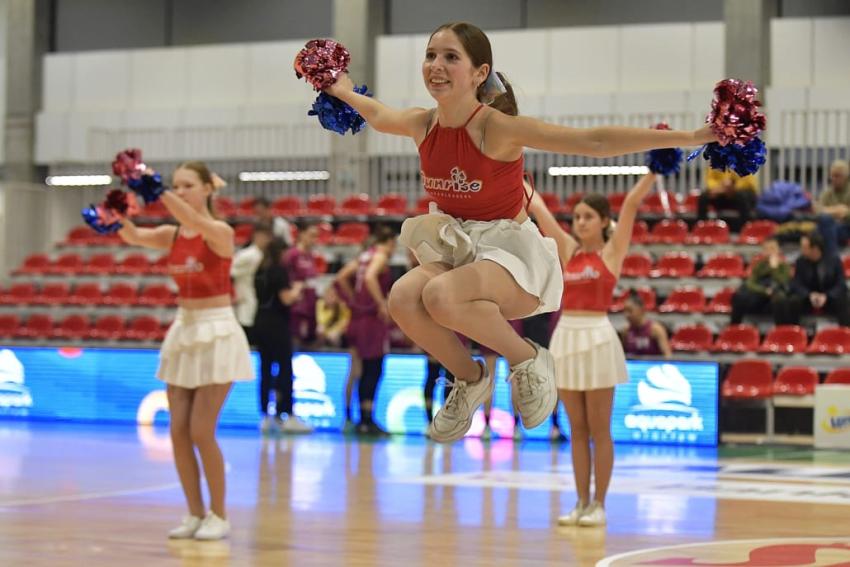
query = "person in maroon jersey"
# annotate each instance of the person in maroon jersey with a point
(205, 348)
(483, 262)
(300, 261)
(643, 337)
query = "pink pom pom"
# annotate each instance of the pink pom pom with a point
(121, 203)
(128, 164)
(321, 61)
(734, 116)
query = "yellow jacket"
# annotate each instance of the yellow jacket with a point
(331, 321)
(715, 180)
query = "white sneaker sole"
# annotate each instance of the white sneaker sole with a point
(460, 432)
(542, 414)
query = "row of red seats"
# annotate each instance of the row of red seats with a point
(97, 264)
(782, 339)
(754, 379)
(89, 293)
(709, 232)
(80, 327)
(683, 299)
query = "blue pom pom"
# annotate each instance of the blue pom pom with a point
(743, 160)
(337, 116)
(92, 218)
(664, 162)
(148, 187)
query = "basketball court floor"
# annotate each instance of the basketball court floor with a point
(96, 496)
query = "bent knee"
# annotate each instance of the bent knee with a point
(436, 300)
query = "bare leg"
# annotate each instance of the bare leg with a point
(180, 409)
(205, 412)
(575, 404)
(599, 405)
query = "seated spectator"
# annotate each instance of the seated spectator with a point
(280, 226)
(833, 208)
(767, 284)
(643, 337)
(726, 190)
(818, 285)
(332, 317)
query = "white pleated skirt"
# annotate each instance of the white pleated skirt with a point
(588, 354)
(203, 347)
(527, 255)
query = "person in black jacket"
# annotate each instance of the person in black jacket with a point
(818, 284)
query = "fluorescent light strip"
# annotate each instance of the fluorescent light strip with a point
(78, 180)
(599, 170)
(284, 176)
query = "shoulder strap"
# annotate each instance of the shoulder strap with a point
(471, 116)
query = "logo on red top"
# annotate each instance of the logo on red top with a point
(191, 266)
(457, 183)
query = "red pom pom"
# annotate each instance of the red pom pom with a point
(121, 203)
(734, 115)
(662, 126)
(321, 61)
(128, 164)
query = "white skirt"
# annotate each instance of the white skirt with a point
(526, 254)
(588, 354)
(203, 347)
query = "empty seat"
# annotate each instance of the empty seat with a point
(737, 338)
(359, 204)
(669, 231)
(80, 236)
(835, 340)
(245, 208)
(692, 338)
(615, 201)
(687, 299)
(37, 326)
(19, 294)
(636, 266)
(121, 293)
(689, 205)
(34, 264)
(72, 327)
(674, 265)
(756, 232)
(157, 295)
(321, 205)
(53, 293)
(785, 339)
(160, 265)
(748, 379)
(721, 302)
(795, 381)
(86, 293)
(225, 207)
(640, 232)
(100, 264)
(288, 206)
(326, 233)
(709, 232)
(552, 202)
(144, 328)
(570, 202)
(108, 328)
(9, 323)
(654, 203)
(351, 233)
(135, 263)
(723, 266)
(67, 264)
(838, 376)
(391, 204)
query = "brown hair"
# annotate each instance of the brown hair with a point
(383, 234)
(600, 204)
(477, 47)
(206, 176)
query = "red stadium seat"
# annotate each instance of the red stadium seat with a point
(157, 295)
(669, 232)
(80, 236)
(326, 233)
(121, 293)
(321, 263)
(835, 340)
(795, 381)
(785, 339)
(647, 295)
(160, 265)
(35, 264)
(72, 327)
(37, 326)
(615, 200)
(108, 328)
(838, 376)
(721, 302)
(845, 261)
(9, 323)
(737, 338)
(356, 205)
(349, 233)
(689, 205)
(654, 203)
(748, 379)
(692, 338)
(242, 234)
(224, 207)
(570, 202)
(552, 201)
(756, 232)
(674, 265)
(723, 266)
(640, 232)
(100, 264)
(135, 263)
(245, 208)
(67, 264)
(685, 299)
(53, 293)
(321, 205)
(391, 204)
(636, 266)
(19, 294)
(289, 206)
(709, 232)
(421, 205)
(86, 293)
(144, 328)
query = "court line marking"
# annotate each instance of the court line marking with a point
(607, 562)
(87, 496)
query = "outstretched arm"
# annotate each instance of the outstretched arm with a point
(159, 238)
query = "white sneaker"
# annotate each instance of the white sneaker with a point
(455, 417)
(295, 424)
(594, 515)
(186, 529)
(573, 517)
(213, 528)
(533, 389)
(269, 425)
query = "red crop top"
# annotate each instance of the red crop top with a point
(464, 182)
(588, 283)
(197, 270)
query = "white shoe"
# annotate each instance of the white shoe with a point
(295, 424)
(594, 515)
(573, 517)
(455, 417)
(186, 529)
(269, 425)
(533, 389)
(213, 528)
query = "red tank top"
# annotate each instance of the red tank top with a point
(464, 182)
(588, 283)
(197, 270)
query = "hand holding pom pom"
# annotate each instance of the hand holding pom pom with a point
(148, 186)
(144, 181)
(100, 221)
(665, 161)
(337, 116)
(321, 61)
(743, 159)
(123, 204)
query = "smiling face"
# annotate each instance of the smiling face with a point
(449, 70)
(189, 186)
